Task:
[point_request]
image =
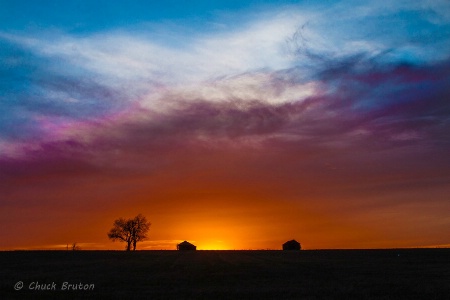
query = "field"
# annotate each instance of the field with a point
(306, 274)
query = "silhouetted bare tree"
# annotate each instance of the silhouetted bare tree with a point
(75, 247)
(130, 231)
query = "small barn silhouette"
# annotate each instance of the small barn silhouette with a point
(292, 245)
(186, 246)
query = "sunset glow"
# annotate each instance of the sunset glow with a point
(230, 125)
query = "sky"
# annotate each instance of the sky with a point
(229, 124)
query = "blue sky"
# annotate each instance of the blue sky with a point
(357, 88)
(82, 16)
(83, 60)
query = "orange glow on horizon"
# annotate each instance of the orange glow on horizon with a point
(222, 209)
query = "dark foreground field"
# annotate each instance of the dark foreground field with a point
(326, 274)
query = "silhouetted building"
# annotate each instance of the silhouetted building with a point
(186, 246)
(292, 245)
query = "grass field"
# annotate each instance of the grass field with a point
(306, 274)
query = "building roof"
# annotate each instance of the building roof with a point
(185, 243)
(291, 242)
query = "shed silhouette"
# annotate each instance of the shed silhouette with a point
(186, 246)
(292, 245)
